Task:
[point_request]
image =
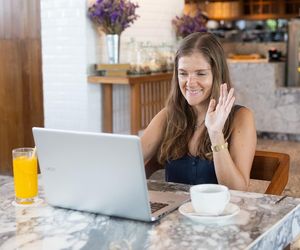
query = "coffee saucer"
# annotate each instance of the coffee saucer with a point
(187, 210)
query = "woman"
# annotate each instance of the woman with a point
(200, 136)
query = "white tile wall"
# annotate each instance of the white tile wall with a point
(70, 48)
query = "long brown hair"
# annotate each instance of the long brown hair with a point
(181, 118)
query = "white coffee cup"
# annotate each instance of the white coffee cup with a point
(209, 199)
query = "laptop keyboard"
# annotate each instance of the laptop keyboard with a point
(155, 206)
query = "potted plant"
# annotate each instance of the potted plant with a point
(113, 17)
(187, 24)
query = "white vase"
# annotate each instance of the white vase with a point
(113, 48)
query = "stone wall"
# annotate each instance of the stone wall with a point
(259, 86)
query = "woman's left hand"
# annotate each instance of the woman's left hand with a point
(216, 115)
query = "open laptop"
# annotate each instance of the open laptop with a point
(100, 173)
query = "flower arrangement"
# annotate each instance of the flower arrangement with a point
(113, 16)
(187, 24)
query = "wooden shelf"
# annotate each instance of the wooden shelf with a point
(247, 9)
(130, 79)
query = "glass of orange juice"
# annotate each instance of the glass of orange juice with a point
(25, 175)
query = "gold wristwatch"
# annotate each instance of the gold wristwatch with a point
(219, 147)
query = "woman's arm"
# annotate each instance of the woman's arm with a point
(153, 135)
(233, 165)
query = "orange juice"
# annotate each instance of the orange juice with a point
(25, 178)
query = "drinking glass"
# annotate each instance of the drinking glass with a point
(25, 175)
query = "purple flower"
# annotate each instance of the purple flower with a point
(187, 24)
(113, 16)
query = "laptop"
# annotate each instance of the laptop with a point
(100, 173)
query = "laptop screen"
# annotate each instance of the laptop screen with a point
(95, 172)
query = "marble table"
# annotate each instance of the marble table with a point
(260, 224)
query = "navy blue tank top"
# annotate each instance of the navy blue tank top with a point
(192, 169)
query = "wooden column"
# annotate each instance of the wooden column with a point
(107, 116)
(135, 109)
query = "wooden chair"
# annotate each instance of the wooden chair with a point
(273, 167)
(267, 166)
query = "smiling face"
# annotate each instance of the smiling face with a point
(195, 79)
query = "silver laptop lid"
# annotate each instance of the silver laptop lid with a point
(95, 172)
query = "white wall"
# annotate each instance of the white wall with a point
(70, 47)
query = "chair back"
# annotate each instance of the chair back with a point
(152, 166)
(273, 167)
(267, 166)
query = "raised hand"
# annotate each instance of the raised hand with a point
(217, 114)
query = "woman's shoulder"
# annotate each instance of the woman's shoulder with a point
(159, 119)
(161, 115)
(238, 107)
(242, 115)
(242, 110)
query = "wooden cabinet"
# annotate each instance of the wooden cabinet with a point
(246, 9)
(268, 9)
(21, 91)
(292, 7)
(262, 7)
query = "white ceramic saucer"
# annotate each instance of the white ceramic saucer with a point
(188, 211)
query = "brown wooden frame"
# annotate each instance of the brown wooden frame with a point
(253, 9)
(268, 166)
(273, 167)
(148, 94)
(21, 92)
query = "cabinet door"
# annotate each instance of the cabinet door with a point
(264, 9)
(292, 7)
(21, 101)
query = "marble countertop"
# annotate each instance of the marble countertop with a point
(259, 225)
